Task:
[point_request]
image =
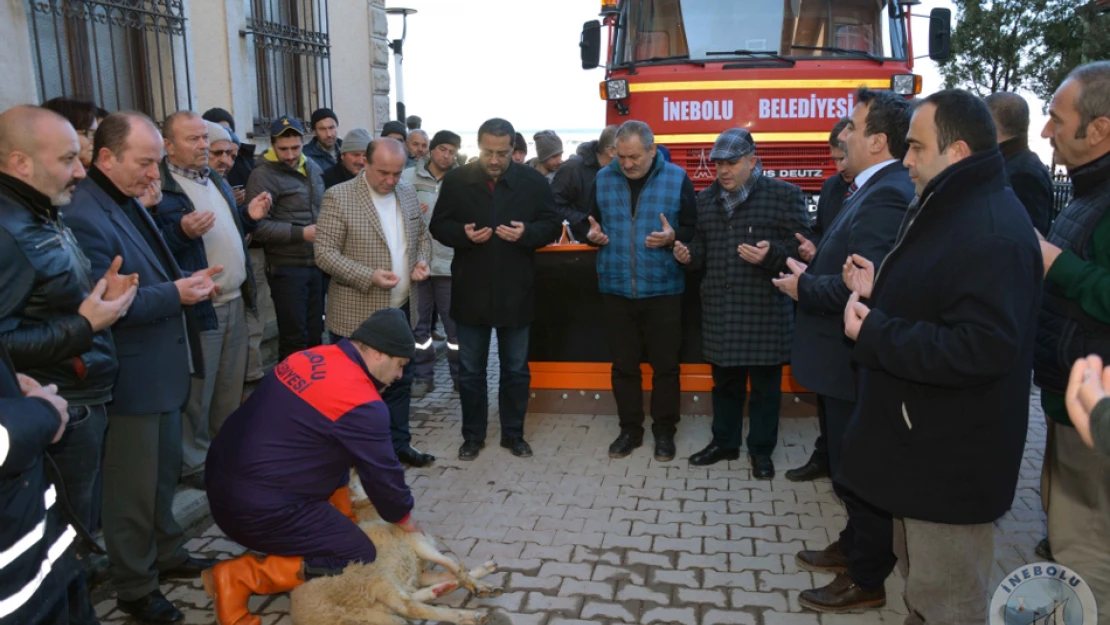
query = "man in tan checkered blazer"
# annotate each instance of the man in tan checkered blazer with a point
(371, 239)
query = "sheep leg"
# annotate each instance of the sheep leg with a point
(426, 550)
(432, 578)
(414, 610)
(438, 590)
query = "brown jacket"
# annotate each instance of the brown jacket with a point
(350, 245)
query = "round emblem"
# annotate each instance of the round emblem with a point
(1043, 593)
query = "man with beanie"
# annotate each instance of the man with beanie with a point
(375, 247)
(244, 159)
(325, 146)
(549, 153)
(352, 158)
(520, 149)
(395, 130)
(495, 214)
(221, 150)
(296, 284)
(435, 292)
(283, 464)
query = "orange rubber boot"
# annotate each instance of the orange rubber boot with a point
(231, 583)
(341, 499)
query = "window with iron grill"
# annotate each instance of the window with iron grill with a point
(292, 59)
(120, 54)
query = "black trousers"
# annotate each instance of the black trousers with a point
(730, 390)
(867, 540)
(298, 294)
(635, 326)
(834, 415)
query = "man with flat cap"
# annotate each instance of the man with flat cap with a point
(745, 233)
(283, 459)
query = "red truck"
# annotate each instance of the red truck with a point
(786, 71)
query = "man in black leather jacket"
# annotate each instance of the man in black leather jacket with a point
(54, 318)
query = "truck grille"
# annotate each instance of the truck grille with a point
(786, 160)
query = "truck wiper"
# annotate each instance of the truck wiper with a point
(770, 54)
(662, 59)
(859, 53)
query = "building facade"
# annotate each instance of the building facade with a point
(259, 59)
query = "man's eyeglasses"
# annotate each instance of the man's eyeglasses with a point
(89, 133)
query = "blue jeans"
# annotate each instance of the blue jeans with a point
(515, 379)
(298, 294)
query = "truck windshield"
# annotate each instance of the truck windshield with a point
(700, 30)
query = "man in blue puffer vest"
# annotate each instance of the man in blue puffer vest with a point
(637, 197)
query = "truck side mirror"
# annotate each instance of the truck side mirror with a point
(590, 44)
(940, 35)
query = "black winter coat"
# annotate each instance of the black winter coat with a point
(27, 500)
(746, 321)
(1031, 182)
(492, 282)
(44, 278)
(946, 352)
(573, 182)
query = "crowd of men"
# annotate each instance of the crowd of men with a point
(935, 283)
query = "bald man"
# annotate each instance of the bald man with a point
(157, 344)
(54, 314)
(374, 263)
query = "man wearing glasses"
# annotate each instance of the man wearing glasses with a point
(495, 213)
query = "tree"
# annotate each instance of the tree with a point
(995, 44)
(1074, 34)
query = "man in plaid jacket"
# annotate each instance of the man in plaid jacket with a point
(745, 231)
(373, 243)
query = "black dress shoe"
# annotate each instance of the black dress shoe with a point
(664, 448)
(470, 450)
(842, 595)
(762, 467)
(712, 455)
(517, 446)
(153, 608)
(1044, 550)
(624, 445)
(189, 569)
(414, 458)
(818, 466)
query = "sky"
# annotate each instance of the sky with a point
(465, 62)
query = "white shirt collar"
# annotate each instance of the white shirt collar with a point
(866, 174)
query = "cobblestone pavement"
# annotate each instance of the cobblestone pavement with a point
(581, 538)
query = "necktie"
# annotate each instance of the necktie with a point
(851, 190)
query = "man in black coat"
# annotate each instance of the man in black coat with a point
(836, 188)
(495, 213)
(944, 349)
(573, 181)
(1029, 177)
(821, 359)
